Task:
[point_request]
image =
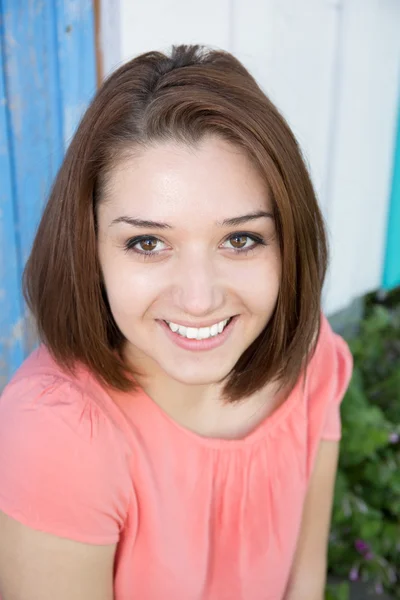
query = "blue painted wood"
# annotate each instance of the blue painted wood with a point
(391, 273)
(31, 71)
(11, 349)
(48, 78)
(77, 60)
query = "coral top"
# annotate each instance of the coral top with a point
(194, 518)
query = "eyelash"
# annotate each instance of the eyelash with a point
(131, 243)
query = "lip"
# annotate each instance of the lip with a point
(200, 345)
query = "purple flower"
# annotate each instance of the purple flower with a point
(379, 588)
(369, 555)
(394, 438)
(353, 575)
(361, 546)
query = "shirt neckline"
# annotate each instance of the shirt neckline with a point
(265, 427)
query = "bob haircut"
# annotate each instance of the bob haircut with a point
(184, 96)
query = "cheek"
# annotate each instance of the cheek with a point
(131, 292)
(258, 284)
(127, 287)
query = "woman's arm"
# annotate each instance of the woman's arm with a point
(39, 566)
(308, 575)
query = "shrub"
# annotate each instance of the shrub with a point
(365, 536)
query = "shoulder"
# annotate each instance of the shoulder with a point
(42, 386)
(43, 397)
(56, 434)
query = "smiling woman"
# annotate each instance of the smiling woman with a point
(186, 392)
(194, 273)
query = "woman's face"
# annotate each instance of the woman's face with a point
(190, 258)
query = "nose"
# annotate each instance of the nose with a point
(197, 290)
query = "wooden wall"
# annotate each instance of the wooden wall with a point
(47, 77)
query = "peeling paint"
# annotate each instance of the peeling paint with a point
(75, 10)
(50, 78)
(17, 331)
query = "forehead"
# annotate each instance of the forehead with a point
(171, 180)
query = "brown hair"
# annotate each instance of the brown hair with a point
(191, 93)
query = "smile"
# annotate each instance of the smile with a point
(202, 333)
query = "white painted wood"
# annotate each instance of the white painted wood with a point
(332, 67)
(111, 12)
(295, 64)
(358, 198)
(157, 24)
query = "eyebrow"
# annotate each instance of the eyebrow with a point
(232, 222)
(245, 218)
(143, 223)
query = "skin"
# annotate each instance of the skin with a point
(308, 575)
(38, 566)
(195, 278)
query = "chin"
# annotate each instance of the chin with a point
(198, 376)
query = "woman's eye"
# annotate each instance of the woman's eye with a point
(148, 245)
(239, 241)
(242, 242)
(145, 245)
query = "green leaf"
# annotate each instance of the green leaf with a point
(367, 492)
(339, 591)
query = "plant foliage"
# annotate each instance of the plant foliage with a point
(365, 536)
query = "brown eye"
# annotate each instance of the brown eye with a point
(148, 244)
(239, 241)
(242, 242)
(145, 245)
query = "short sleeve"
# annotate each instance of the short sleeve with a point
(330, 373)
(62, 465)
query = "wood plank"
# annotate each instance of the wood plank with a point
(49, 74)
(11, 349)
(98, 47)
(77, 61)
(35, 107)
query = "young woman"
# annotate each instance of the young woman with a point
(175, 436)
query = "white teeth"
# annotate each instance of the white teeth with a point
(194, 333)
(203, 333)
(214, 330)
